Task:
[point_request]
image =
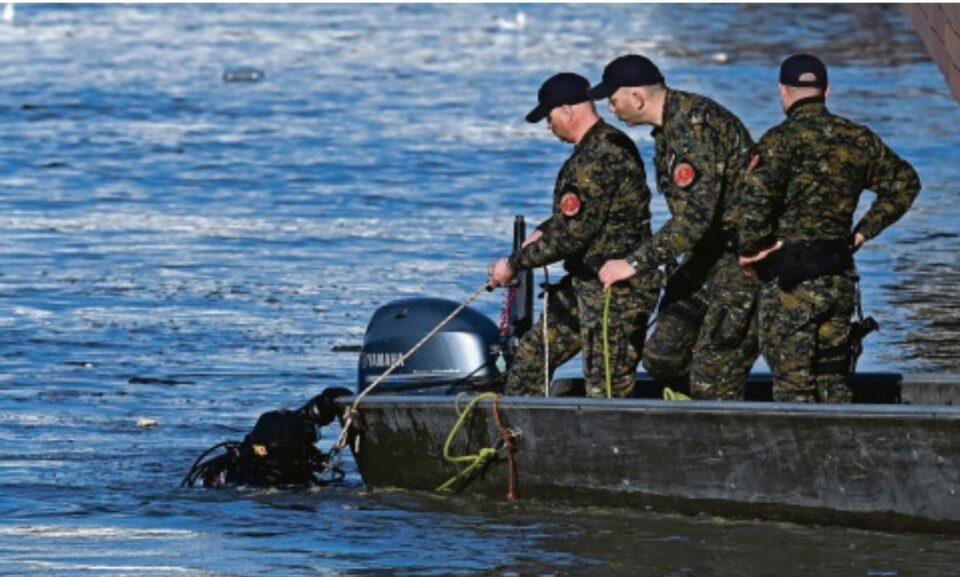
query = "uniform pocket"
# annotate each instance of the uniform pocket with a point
(790, 312)
(729, 325)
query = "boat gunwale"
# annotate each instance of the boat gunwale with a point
(753, 408)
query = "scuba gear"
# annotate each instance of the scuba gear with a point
(322, 409)
(279, 451)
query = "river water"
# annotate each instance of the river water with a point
(199, 203)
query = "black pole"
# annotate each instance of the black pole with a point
(521, 313)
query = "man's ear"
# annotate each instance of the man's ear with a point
(826, 92)
(637, 99)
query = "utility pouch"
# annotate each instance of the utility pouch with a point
(690, 309)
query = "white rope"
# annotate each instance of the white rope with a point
(351, 413)
(546, 341)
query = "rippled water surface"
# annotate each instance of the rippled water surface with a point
(190, 250)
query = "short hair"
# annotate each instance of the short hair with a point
(804, 91)
(655, 88)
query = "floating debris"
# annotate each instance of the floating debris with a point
(144, 422)
(242, 75)
(156, 381)
(347, 348)
(519, 22)
(720, 57)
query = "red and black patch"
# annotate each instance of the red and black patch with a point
(684, 174)
(754, 163)
(570, 204)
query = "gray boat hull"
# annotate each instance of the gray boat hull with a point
(894, 467)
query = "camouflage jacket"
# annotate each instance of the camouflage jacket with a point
(601, 206)
(702, 151)
(806, 178)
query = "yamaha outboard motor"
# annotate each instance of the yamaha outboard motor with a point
(469, 352)
(462, 355)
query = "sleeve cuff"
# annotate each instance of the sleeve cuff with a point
(864, 229)
(514, 260)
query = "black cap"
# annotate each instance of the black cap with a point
(803, 70)
(629, 70)
(558, 90)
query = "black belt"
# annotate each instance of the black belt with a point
(796, 262)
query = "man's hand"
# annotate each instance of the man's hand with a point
(500, 273)
(532, 238)
(747, 262)
(858, 241)
(614, 271)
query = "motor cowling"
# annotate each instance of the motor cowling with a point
(463, 354)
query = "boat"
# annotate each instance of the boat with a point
(938, 26)
(893, 467)
(890, 460)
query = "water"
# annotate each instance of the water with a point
(200, 202)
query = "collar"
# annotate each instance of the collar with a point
(812, 103)
(589, 134)
(669, 103)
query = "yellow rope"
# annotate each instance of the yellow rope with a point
(474, 461)
(671, 395)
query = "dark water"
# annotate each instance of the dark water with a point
(189, 250)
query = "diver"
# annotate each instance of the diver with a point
(280, 451)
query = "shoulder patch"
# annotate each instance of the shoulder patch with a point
(684, 174)
(570, 204)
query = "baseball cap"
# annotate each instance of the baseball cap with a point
(803, 70)
(558, 90)
(628, 70)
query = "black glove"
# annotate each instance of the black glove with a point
(322, 409)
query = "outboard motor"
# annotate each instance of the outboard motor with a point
(469, 352)
(462, 355)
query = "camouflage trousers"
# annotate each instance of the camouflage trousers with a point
(804, 334)
(706, 340)
(574, 324)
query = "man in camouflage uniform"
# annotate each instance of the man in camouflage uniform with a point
(601, 207)
(803, 187)
(705, 340)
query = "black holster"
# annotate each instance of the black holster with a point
(859, 329)
(796, 262)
